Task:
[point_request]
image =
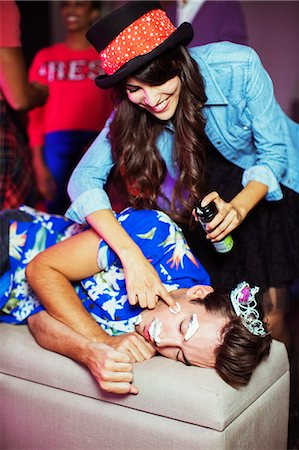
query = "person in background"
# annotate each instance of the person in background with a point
(75, 111)
(212, 21)
(194, 126)
(17, 94)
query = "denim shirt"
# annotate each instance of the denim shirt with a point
(243, 121)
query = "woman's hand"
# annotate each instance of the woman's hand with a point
(142, 281)
(227, 219)
(231, 215)
(144, 286)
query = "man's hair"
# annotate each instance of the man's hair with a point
(240, 351)
(134, 132)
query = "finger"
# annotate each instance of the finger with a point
(167, 298)
(152, 301)
(135, 350)
(118, 366)
(117, 377)
(224, 234)
(132, 297)
(212, 196)
(119, 388)
(146, 349)
(194, 214)
(139, 347)
(118, 356)
(143, 299)
(223, 229)
(224, 211)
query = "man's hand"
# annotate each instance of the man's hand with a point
(132, 344)
(112, 369)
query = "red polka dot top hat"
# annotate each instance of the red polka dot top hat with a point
(131, 37)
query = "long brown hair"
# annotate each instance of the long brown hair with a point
(134, 132)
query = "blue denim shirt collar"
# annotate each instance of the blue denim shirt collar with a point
(212, 88)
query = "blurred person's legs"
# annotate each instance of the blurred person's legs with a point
(62, 152)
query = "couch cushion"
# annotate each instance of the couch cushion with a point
(167, 388)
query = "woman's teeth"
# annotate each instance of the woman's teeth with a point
(160, 106)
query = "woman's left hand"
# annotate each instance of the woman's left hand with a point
(228, 218)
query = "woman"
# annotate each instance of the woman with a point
(175, 111)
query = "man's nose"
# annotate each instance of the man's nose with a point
(168, 340)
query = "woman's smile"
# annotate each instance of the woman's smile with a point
(161, 100)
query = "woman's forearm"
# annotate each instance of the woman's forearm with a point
(142, 281)
(231, 214)
(249, 197)
(109, 229)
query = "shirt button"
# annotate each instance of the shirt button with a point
(245, 127)
(218, 142)
(91, 306)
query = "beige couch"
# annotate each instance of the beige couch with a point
(50, 402)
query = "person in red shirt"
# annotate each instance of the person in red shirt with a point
(75, 111)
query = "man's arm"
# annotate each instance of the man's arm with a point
(111, 369)
(50, 274)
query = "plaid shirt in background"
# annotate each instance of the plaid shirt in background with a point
(17, 182)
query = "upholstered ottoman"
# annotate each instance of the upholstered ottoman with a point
(50, 402)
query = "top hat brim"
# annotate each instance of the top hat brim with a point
(182, 35)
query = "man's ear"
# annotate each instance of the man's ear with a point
(199, 291)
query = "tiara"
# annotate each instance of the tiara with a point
(244, 304)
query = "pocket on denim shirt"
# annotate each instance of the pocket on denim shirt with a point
(240, 125)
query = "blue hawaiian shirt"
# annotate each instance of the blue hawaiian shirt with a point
(104, 294)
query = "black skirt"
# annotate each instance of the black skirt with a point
(266, 244)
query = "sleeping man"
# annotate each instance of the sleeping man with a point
(77, 303)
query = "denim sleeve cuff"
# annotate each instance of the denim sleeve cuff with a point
(264, 175)
(87, 203)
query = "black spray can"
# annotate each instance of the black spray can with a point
(206, 214)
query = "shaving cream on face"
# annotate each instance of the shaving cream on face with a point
(192, 327)
(138, 319)
(176, 309)
(155, 330)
